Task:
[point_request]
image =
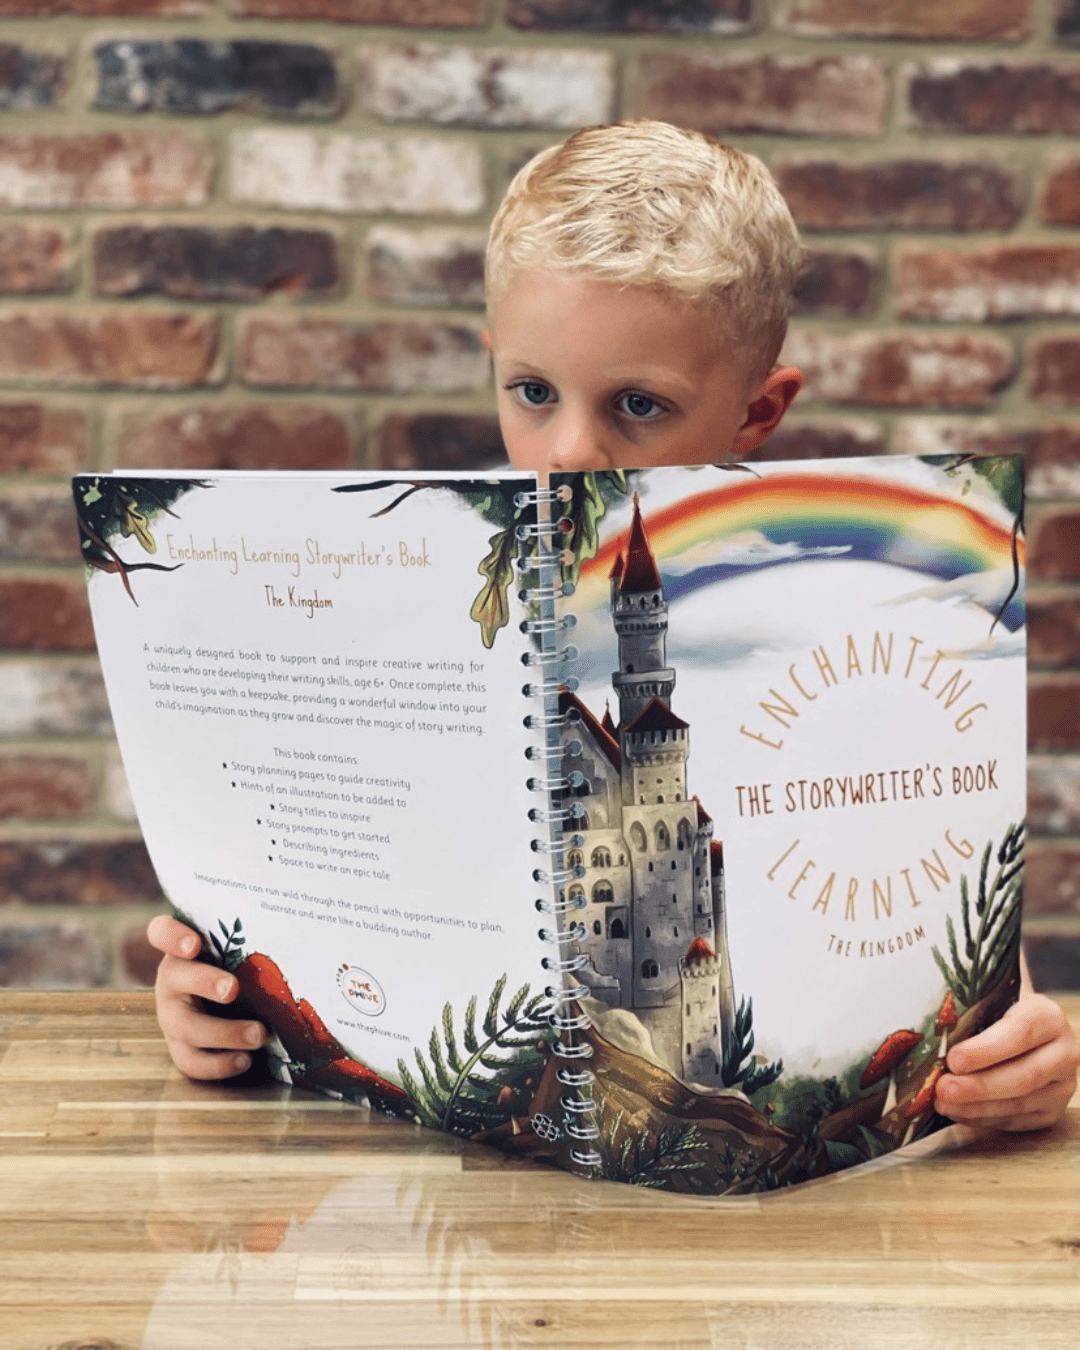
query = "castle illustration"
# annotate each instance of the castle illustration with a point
(652, 875)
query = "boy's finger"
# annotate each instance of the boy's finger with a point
(184, 1024)
(1043, 1101)
(1024, 1027)
(172, 937)
(207, 1064)
(1014, 1078)
(196, 979)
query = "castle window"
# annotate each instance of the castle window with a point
(687, 1047)
(629, 670)
(663, 838)
(699, 909)
(602, 893)
(673, 864)
(714, 991)
(616, 920)
(576, 893)
(622, 859)
(601, 857)
(576, 860)
(686, 833)
(648, 932)
(637, 836)
(688, 1010)
(650, 866)
(676, 932)
(649, 970)
(597, 929)
(678, 796)
(660, 797)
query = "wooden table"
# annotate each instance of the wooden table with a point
(140, 1210)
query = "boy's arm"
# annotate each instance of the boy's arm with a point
(201, 1045)
(1018, 1074)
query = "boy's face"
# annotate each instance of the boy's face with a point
(594, 374)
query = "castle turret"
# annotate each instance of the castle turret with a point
(640, 614)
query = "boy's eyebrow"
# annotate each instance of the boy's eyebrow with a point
(639, 375)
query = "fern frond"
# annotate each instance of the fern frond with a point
(451, 1042)
(491, 1017)
(469, 1033)
(435, 1050)
(514, 1007)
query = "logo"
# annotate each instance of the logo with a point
(362, 990)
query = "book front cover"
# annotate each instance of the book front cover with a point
(800, 731)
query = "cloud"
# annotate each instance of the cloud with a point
(988, 590)
(748, 548)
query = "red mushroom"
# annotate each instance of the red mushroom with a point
(885, 1060)
(923, 1099)
(946, 1020)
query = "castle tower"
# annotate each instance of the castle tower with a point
(640, 614)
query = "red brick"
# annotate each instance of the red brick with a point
(44, 615)
(391, 356)
(1052, 879)
(439, 441)
(195, 263)
(1054, 544)
(487, 86)
(1053, 630)
(104, 169)
(38, 526)
(76, 873)
(840, 282)
(1054, 794)
(632, 16)
(49, 697)
(273, 436)
(1053, 465)
(901, 370)
(1013, 281)
(796, 95)
(426, 267)
(925, 20)
(392, 13)
(1052, 452)
(35, 259)
(822, 440)
(102, 9)
(139, 348)
(138, 960)
(1054, 712)
(45, 787)
(51, 956)
(39, 439)
(1056, 369)
(1060, 203)
(902, 194)
(995, 97)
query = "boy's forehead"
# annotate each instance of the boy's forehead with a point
(553, 310)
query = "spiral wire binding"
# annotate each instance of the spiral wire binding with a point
(558, 814)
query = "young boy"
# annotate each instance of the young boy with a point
(637, 284)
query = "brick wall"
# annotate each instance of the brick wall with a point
(248, 233)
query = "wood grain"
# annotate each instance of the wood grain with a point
(140, 1210)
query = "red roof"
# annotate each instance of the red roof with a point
(703, 817)
(699, 950)
(606, 743)
(608, 723)
(716, 853)
(656, 716)
(640, 573)
(616, 569)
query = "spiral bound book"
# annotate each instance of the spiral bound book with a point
(665, 825)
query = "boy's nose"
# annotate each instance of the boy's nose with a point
(578, 445)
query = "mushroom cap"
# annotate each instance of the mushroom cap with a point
(946, 1018)
(888, 1054)
(924, 1098)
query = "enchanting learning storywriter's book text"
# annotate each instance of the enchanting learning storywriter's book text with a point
(666, 826)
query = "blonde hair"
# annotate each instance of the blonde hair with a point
(647, 203)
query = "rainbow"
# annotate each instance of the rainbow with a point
(872, 518)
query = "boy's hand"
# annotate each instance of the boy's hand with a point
(201, 1045)
(1018, 1074)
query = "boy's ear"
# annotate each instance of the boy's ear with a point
(485, 338)
(772, 400)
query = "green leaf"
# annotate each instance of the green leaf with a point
(91, 495)
(469, 1034)
(491, 1017)
(842, 1155)
(491, 608)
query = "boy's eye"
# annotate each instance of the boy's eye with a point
(639, 405)
(533, 391)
